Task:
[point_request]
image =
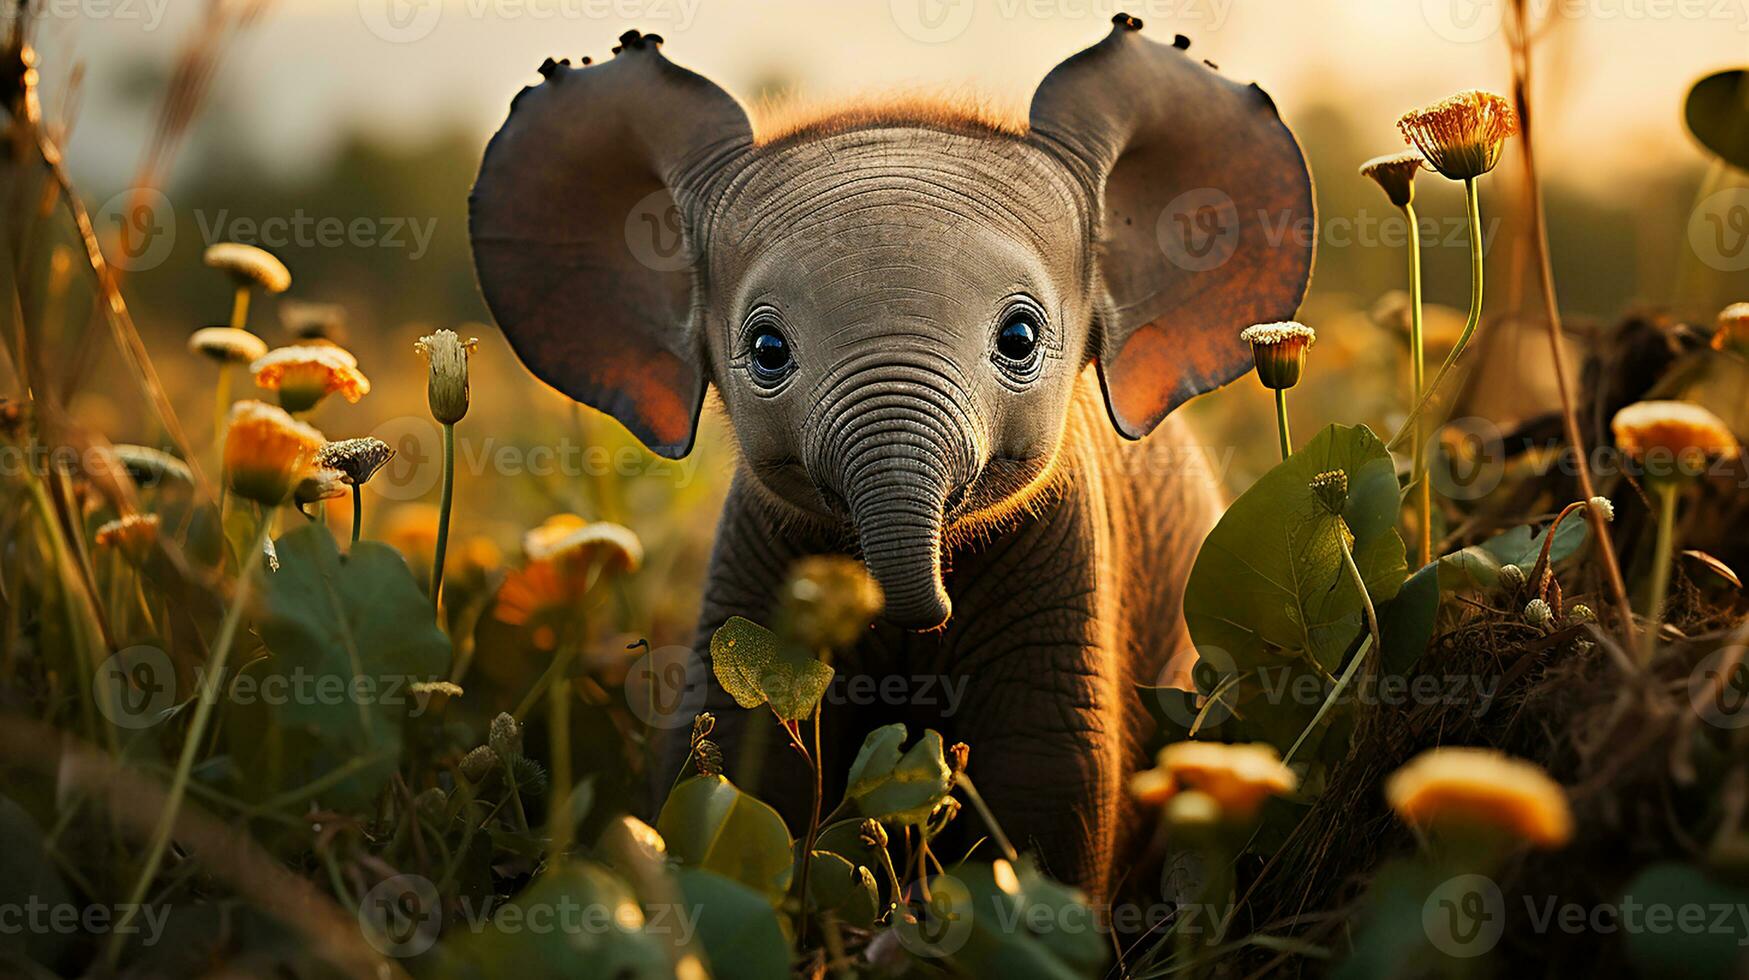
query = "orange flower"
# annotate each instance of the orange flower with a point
(306, 374)
(267, 451)
(1462, 135)
(133, 535)
(1672, 439)
(1470, 788)
(1733, 332)
(565, 555)
(1237, 777)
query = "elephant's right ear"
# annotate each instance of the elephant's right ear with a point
(584, 222)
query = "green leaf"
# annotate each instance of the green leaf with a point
(848, 890)
(755, 667)
(901, 787)
(1005, 920)
(709, 823)
(1713, 949)
(1477, 568)
(347, 637)
(1717, 113)
(1269, 583)
(1406, 622)
(736, 926)
(576, 920)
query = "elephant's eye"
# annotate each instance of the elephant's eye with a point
(1019, 342)
(770, 355)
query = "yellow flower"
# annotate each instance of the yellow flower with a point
(1462, 135)
(1481, 789)
(1733, 332)
(1279, 350)
(563, 555)
(306, 374)
(267, 451)
(446, 390)
(249, 265)
(1237, 777)
(1395, 175)
(1672, 439)
(828, 602)
(227, 345)
(133, 535)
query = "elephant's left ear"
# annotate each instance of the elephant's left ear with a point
(1205, 214)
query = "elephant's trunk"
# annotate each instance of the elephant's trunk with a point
(897, 447)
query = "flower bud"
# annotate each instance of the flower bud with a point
(134, 536)
(479, 764)
(1538, 613)
(446, 357)
(872, 833)
(1512, 578)
(1603, 506)
(1581, 613)
(1279, 351)
(828, 602)
(357, 460)
(1395, 175)
(1331, 489)
(707, 758)
(505, 736)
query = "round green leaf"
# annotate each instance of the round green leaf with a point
(710, 824)
(902, 787)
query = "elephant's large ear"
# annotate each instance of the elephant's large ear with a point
(1205, 214)
(585, 223)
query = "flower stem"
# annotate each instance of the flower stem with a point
(221, 406)
(240, 308)
(1287, 443)
(964, 782)
(357, 511)
(1472, 205)
(559, 813)
(1661, 556)
(203, 709)
(443, 507)
(1418, 383)
(1372, 640)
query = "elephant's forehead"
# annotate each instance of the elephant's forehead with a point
(879, 192)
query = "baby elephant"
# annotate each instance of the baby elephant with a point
(940, 339)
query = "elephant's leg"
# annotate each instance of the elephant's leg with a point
(748, 565)
(1044, 726)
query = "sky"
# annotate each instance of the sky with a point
(1612, 72)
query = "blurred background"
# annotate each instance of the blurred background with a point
(343, 135)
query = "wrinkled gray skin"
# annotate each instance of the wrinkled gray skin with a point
(1031, 556)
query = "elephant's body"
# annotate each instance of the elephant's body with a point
(1056, 618)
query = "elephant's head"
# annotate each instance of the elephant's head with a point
(894, 305)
